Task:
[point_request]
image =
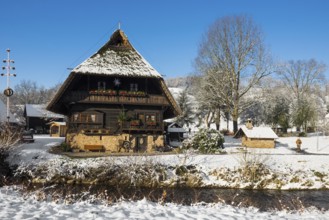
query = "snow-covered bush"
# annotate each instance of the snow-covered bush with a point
(9, 136)
(205, 141)
(253, 166)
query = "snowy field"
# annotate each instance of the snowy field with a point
(283, 159)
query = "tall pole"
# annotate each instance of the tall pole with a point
(8, 91)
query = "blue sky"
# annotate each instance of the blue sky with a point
(47, 37)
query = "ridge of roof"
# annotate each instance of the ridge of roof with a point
(258, 132)
(117, 57)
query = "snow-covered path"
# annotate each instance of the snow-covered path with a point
(33, 153)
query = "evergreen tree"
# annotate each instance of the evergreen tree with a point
(187, 116)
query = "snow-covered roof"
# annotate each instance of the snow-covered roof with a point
(258, 132)
(58, 123)
(117, 57)
(174, 127)
(39, 111)
(3, 114)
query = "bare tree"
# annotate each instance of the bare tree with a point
(233, 56)
(301, 77)
(28, 92)
(303, 80)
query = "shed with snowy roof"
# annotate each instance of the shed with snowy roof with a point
(38, 118)
(256, 137)
(115, 97)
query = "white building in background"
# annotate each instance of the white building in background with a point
(3, 114)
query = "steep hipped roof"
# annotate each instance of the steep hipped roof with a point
(257, 132)
(117, 57)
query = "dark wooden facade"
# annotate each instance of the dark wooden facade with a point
(116, 109)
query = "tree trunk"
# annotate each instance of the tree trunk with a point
(208, 119)
(235, 125)
(217, 119)
(235, 117)
(217, 126)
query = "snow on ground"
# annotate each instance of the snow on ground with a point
(34, 153)
(283, 159)
(13, 206)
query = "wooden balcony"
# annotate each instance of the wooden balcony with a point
(142, 127)
(85, 97)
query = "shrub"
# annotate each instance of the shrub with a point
(302, 134)
(9, 136)
(253, 166)
(205, 141)
(65, 147)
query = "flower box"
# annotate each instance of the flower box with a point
(123, 92)
(134, 123)
(151, 123)
(103, 92)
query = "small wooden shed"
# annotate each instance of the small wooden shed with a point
(256, 137)
(57, 129)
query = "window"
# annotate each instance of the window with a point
(133, 87)
(93, 118)
(140, 116)
(150, 117)
(86, 118)
(101, 86)
(83, 118)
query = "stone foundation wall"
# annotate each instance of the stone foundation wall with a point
(112, 142)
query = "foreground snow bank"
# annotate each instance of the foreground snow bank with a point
(278, 168)
(14, 206)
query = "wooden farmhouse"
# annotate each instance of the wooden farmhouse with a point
(256, 137)
(115, 97)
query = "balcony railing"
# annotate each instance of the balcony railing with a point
(85, 97)
(157, 126)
